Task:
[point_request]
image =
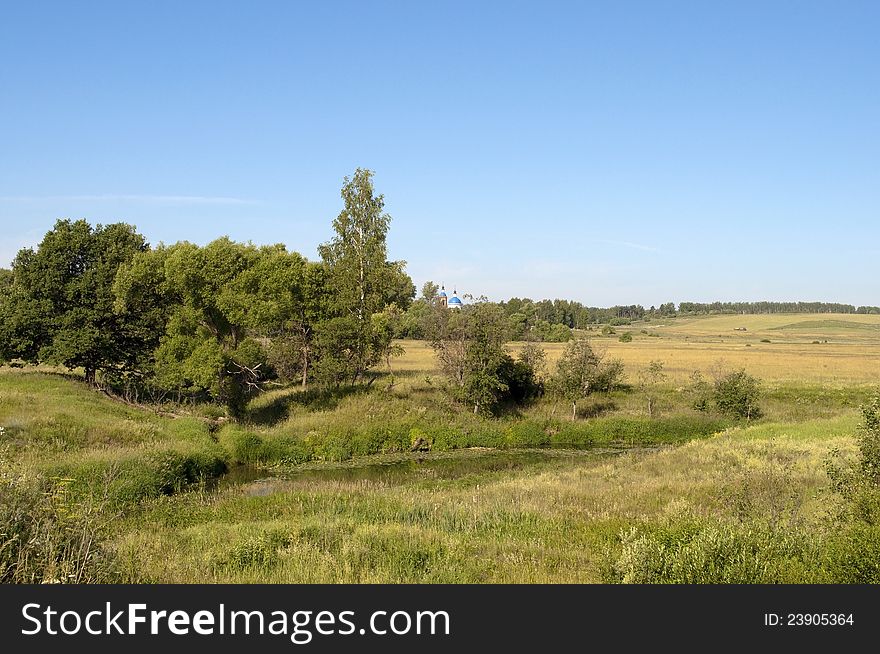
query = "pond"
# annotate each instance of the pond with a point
(400, 469)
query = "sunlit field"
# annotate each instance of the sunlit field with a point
(828, 349)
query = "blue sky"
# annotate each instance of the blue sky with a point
(609, 152)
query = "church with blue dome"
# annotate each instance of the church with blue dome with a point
(447, 302)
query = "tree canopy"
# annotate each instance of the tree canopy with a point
(214, 322)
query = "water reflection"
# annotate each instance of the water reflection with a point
(402, 469)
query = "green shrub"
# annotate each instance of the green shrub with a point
(853, 554)
(626, 337)
(736, 394)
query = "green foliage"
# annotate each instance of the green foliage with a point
(361, 282)
(535, 358)
(736, 394)
(62, 301)
(859, 481)
(852, 554)
(581, 371)
(609, 430)
(626, 337)
(205, 350)
(869, 442)
(470, 348)
(339, 358)
(700, 392)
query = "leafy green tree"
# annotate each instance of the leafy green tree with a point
(280, 298)
(535, 358)
(429, 292)
(581, 371)
(338, 352)
(737, 394)
(206, 347)
(559, 333)
(470, 349)
(62, 311)
(145, 301)
(360, 279)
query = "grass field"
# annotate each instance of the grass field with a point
(693, 491)
(847, 351)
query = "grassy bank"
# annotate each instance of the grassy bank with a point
(566, 520)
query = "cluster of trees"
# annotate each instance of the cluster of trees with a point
(470, 345)
(549, 321)
(218, 321)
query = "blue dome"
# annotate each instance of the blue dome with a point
(441, 294)
(455, 301)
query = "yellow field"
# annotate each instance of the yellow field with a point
(847, 351)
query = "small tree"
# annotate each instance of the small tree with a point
(736, 394)
(361, 282)
(470, 348)
(534, 356)
(648, 381)
(581, 371)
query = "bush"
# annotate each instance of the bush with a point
(626, 337)
(736, 394)
(869, 442)
(520, 380)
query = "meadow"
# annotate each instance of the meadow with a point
(181, 494)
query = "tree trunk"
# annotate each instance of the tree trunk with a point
(90, 376)
(574, 409)
(305, 366)
(476, 408)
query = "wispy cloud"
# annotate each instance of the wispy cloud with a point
(634, 246)
(154, 199)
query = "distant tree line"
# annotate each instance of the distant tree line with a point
(697, 308)
(218, 322)
(554, 320)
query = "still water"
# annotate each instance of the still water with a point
(403, 469)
